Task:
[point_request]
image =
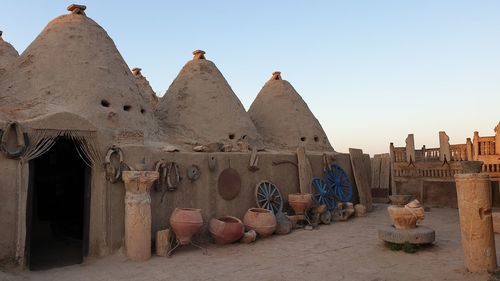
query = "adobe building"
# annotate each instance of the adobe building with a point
(73, 116)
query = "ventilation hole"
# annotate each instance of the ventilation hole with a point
(105, 103)
(231, 136)
(316, 139)
(127, 107)
(243, 137)
(303, 138)
(143, 110)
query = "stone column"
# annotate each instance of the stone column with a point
(475, 146)
(138, 213)
(497, 139)
(469, 149)
(444, 147)
(410, 148)
(476, 225)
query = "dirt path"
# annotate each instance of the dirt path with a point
(342, 251)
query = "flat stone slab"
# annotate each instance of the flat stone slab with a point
(419, 235)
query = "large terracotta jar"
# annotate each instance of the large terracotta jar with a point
(261, 220)
(186, 222)
(226, 229)
(300, 202)
(406, 217)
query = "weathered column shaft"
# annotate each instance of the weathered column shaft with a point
(476, 225)
(138, 226)
(138, 213)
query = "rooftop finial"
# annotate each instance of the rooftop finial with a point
(199, 55)
(77, 9)
(276, 75)
(136, 71)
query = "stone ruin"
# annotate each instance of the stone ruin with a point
(73, 116)
(428, 173)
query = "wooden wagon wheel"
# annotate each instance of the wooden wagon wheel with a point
(339, 182)
(323, 194)
(268, 196)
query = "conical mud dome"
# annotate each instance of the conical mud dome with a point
(284, 119)
(8, 55)
(200, 107)
(74, 66)
(145, 87)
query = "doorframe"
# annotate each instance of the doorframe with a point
(28, 218)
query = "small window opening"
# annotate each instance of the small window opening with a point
(105, 103)
(316, 139)
(231, 136)
(143, 110)
(127, 107)
(303, 138)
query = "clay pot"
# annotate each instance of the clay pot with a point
(226, 229)
(405, 218)
(399, 200)
(359, 210)
(300, 202)
(249, 237)
(261, 220)
(186, 222)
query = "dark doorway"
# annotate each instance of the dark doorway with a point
(56, 213)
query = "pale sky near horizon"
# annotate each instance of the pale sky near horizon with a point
(371, 71)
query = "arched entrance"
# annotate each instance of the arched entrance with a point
(57, 209)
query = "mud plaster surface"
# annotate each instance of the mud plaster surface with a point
(342, 251)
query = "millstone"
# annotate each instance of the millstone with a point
(419, 235)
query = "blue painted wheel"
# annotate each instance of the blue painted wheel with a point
(339, 182)
(323, 194)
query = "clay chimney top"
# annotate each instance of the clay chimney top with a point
(199, 55)
(276, 75)
(136, 71)
(1, 32)
(77, 9)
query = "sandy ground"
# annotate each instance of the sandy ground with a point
(341, 251)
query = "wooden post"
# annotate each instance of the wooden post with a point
(305, 171)
(361, 178)
(476, 224)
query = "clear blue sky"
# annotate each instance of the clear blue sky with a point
(371, 71)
